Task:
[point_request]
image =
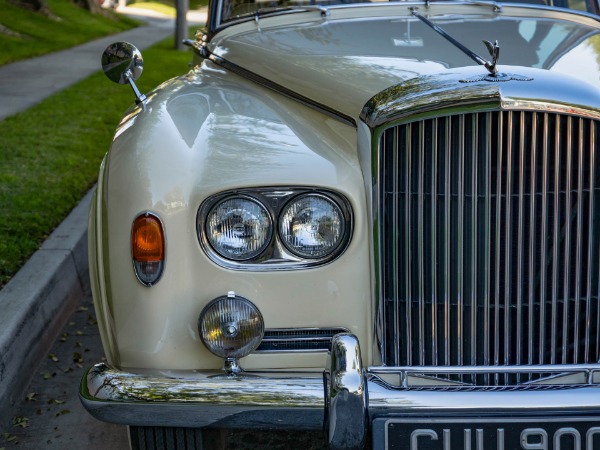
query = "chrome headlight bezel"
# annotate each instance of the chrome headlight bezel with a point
(275, 255)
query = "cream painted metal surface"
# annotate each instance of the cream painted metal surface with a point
(190, 143)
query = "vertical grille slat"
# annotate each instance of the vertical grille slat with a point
(544, 240)
(434, 251)
(554, 339)
(473, 240)
(490, 241)
(520, 237)
(579, 238)
(508, 144)
(588, 298)
(532, 245)
(447, 198)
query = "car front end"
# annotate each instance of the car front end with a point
(346, 218)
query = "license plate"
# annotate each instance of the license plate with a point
(491, 433)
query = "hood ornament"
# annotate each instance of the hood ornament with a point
(494, 76)
(494, 50)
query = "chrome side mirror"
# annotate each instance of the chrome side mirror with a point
(122, 63)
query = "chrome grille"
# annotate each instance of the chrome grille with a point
(298, 339)
(489, 230)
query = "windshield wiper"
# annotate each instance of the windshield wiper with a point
(263, 12)
(494, 49)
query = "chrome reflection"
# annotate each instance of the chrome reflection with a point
(346, 418)
(200, 399)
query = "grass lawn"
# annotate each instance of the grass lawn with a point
(50, 153)
(192, 4)
(25, 34)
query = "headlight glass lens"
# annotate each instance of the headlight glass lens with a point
(231, 327)
(311, 226)
(239, 228)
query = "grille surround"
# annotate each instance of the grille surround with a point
(456, 306)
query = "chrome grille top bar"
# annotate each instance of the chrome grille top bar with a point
(490, 244)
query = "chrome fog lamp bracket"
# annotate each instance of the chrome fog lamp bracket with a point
(231, 366)
(346, 411)
(231, 327)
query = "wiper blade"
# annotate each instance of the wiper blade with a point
(494, 49)
(262, 12)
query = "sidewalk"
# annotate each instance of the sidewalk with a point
(35, 304)
(26, 83)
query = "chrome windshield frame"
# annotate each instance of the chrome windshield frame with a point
(216, 23)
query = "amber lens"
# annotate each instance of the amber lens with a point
(147, 239)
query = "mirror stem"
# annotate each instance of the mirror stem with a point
(139, 97)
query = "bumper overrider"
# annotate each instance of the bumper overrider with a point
(346, 400)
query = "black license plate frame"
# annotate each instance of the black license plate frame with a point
(483, 433)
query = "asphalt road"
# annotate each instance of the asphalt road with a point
(51, 416)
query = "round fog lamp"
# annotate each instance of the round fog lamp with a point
(231, 327)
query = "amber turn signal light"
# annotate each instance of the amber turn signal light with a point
(147, 248)
(147, 239)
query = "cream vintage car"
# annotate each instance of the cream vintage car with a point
(378, 218)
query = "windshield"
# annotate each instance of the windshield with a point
(240, 9)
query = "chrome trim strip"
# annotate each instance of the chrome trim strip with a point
(463, 369)
(265, 82)
(412, 99)
(215, 24)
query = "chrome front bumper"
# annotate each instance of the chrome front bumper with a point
(344, 399)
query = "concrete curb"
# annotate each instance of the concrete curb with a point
(36, 303)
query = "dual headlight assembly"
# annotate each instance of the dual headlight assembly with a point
(275, 229)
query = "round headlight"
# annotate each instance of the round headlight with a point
(231, 327)
(312, 226)
(239, 228)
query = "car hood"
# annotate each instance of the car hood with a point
(341, 61)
